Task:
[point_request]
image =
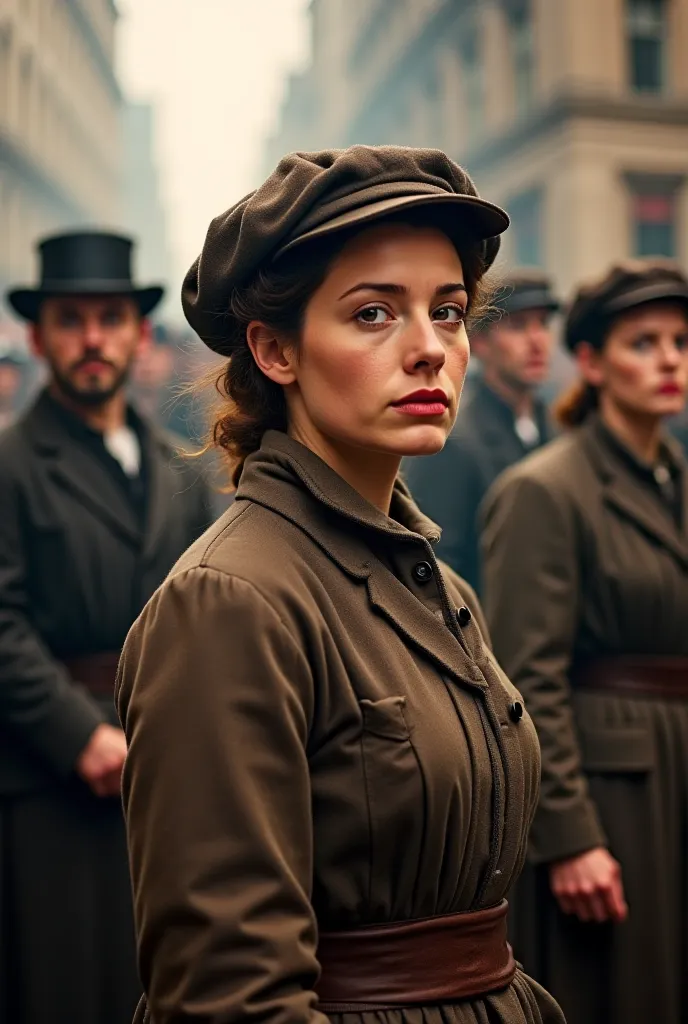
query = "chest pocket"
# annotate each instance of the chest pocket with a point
(394, 795)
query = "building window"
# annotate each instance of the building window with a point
(654, 225)
(654, 214)
(470, 50)
(526, 232)
(646, 31)
(523, 50)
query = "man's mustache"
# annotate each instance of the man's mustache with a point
(92, 357)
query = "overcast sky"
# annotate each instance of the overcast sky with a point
(216, 71)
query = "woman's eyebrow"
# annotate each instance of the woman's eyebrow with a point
(372, 286)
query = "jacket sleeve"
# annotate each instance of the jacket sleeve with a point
(531, 572)
(38, 701)
(448, 488)
(216, 701)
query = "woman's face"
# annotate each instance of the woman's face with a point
(643, 366)
(383, 352)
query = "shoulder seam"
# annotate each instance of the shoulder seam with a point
(252, 586)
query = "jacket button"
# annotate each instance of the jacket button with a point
(463, 615)
(422, 572)
(516, 711)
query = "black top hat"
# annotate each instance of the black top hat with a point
(84, 263)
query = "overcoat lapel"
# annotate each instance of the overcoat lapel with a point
(632, 500)
(267, 482)
(163, 487)
(72, 467)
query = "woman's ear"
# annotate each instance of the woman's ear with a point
(589, 361)
(273, 356)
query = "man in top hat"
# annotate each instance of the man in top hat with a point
(95, 508)
(502, 421)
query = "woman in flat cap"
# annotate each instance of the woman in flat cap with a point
(330, 781)
(586, 592)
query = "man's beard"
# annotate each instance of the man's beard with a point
(93, 396)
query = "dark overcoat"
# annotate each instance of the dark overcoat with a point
(314, 738)
(585, 558)
(450, 485)
(77, 564)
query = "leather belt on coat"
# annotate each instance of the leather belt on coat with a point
(96, 672)
(437, 960)
(664, 677)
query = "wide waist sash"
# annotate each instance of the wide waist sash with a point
(437, 960)
(665, 677)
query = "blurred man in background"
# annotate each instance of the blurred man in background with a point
(95, 507)
(502, 421)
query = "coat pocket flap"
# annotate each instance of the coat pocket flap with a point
(385, 718)
(627, 749)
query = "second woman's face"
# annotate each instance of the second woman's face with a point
(383, 352)
(643, 367)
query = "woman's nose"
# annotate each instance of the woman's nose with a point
(672, 353)
(423, 347)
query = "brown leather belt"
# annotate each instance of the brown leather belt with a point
(635, 676)
(95, 671)
(437, 960)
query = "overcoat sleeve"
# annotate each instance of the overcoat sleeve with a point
(202, 500)
(531, 568)
(38, 701)
(216, 700)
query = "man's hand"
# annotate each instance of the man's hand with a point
(100, 762)
(589, 886)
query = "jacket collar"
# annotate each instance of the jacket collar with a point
(55, 437)
(291, 480)
(626, 491)
(497, 416)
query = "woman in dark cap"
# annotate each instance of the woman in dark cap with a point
(329, 780)
(586, 593)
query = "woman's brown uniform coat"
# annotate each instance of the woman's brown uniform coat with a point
(583, 558)
(313, 738)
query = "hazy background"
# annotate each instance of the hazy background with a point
(215, 70)
(153, 116)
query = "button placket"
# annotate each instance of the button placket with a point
(422, 572)
(463, 616)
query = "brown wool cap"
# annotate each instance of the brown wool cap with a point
(310, 195)
(624, 286)
(525, 289)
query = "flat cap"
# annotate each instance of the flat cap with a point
(525, 289)
(311, 195)
(623, 287)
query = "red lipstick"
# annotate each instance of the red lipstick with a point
(424, 402)
(670, 389)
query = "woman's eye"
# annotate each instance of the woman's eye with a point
(373, 315)
(449, 314)
(642, 344)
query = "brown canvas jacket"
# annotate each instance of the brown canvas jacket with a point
(315, 744)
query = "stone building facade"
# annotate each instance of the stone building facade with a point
(60, 108)
(572, 113)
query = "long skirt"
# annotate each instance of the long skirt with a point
(67, 953)
(635, 755)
